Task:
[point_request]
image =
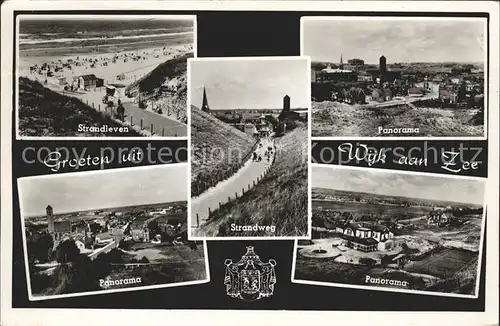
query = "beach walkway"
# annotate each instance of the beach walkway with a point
(162, 126)
(231, 188)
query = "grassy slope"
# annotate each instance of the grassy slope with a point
(280, 199)
(463, 282)
(43, 112)
(174, 68)
(334, 119)
(218, 150)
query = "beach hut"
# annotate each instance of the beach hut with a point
(87, 82)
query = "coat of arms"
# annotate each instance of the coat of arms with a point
(250, 279)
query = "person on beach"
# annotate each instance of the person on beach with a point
(121, 111)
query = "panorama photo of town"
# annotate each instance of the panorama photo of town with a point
(249, 147)
(103, 76)
(91, 232)
(393, 231)
(396, 76)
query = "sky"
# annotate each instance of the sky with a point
(250, 84)
(397, 184)
(458, 40)
(71, 192)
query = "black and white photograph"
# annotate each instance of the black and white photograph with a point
(397, 76)
(108, 231)
(249, 147)
(393, 231)
(103, 75)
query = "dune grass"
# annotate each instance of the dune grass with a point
(218, 150)
(280, 199)
(43, 112)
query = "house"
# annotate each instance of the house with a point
(140, 235)
(366, 237)
(415, 92)
(61, 80)
(89, 82)
(364, 76)
(439, 218)
(448, 93)
(382, 94)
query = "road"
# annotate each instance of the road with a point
(245, 176)
(162, 126)
(160, 123)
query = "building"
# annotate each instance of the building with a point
(439, 218)
(89, 82)
(382, 67)
(140, 235)
(366, 237)
(204, 105)
(449, 93)
(355, 64)
(415, 92)
(364, 76)
(58, 230)
(331, 75)
(382, 94)
(286, 103)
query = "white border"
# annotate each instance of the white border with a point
(402, 290)
(79, 294)
(58, 316)
(88, 16)
(309, 190)
(486, 67)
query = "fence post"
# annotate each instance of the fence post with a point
(131, 120)
(141, 124)
(228, 199)
(162, 132)
(93, 107)
(236, 195)
(99, 107)
(209, 212)
(197, 219)
(242, 191)
(152, 131)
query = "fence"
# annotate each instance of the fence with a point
(136, 124)
(222, 205)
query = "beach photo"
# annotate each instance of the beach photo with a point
(108, 231)
(393, 231)
(102, 75)
(249, 147)
(397, 76)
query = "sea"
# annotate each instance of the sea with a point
(44, 36)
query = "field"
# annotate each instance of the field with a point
(338, 119)
(442, 263)
(328, 271)
(219, 150)
(279, 199)
(43, 112)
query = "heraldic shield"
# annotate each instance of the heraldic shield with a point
(250, 279)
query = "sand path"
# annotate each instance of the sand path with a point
(220, 193)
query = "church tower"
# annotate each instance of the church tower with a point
(204, 105)
(50, 218)
(286, 103)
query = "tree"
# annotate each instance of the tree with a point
(40, 247)
(67, 252)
